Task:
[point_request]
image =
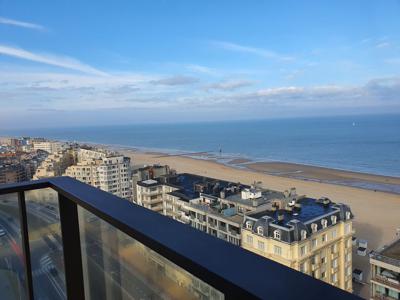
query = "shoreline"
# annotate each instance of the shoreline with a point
(304, 172)
(226, 158)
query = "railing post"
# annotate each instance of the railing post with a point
(72, 248)
(25, 243)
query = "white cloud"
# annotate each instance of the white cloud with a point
(30, 93)
(251, 50)
(22, 24)
(229, 85)
(201, 69)
(393, 60)
(59, 61)
(383, 45)
(176, 80)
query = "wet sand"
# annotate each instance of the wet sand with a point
(334, 176)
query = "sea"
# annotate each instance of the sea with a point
(369, 144)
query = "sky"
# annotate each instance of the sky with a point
(79, 63)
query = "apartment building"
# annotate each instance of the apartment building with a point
(103, 169)
(214, 206)
(385, 272)
(147, 172)
(309, 235)
(191, 199)
(55, 164)
(15, 172)
(48, 146)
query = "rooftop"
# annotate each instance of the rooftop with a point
(213, 210)
(310, 209)
(393, 251)
(267, 195)
(190, 185)
(148, 183)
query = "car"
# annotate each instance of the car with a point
(2, 232)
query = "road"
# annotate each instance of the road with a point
(46, 285)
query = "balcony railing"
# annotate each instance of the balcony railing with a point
(63, 239)
(387, 281)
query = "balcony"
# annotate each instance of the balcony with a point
(152, 201)
(64, 239)
(382, 297)
(386, 281)
(151, 193)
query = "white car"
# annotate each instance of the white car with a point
(2, 232)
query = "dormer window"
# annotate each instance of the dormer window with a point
(348, 215)
(248, 225)
(303, 234)
(314, 227)
(324, 223)
(277, 234)
(260, 230)
(333, 219)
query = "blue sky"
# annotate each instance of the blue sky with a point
(76, 63)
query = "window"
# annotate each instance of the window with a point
(277, 250)
(260, 230)
(323, 274)
(248, 225)
(324, 223)
(303, 267)
(334, 248)
(334, 233)
(348, 271)
(334, 277)
(348, 282)
(335, 263)
(348, 215)
(348, 257)
(249, 239)
(314, 259)
(323, 260)
(324, 238)
(303, 234)
(314, 243)
(347, 229)
(261, 245)
(277, 234)
(314, 227)
(303, 250)
(333, 219)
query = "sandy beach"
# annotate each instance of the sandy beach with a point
(377, 214)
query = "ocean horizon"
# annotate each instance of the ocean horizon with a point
(367, 144)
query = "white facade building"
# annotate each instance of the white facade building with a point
(50, 147)
(105, 170)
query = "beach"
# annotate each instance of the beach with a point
(377, 214)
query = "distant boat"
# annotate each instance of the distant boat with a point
(354, 124)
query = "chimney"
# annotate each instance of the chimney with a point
(326, 201)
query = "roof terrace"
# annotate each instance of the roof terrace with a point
(310, 209)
